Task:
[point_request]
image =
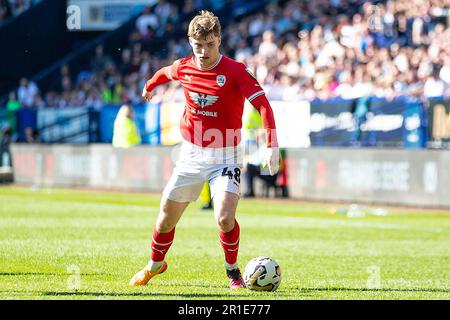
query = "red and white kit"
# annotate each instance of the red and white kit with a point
(211, 124)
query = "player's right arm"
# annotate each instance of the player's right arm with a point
(162, 76)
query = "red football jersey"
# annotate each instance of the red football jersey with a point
(214, 100)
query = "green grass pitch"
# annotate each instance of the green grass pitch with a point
(73, 244)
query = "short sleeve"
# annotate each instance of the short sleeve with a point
(248, 84)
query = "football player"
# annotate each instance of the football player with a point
(215, 88)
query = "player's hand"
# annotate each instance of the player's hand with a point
(147, 95)
(272, 160)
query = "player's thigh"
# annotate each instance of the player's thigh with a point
(184, 185)
(169, 214)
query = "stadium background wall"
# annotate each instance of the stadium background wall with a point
(365, 122)
(385, 176)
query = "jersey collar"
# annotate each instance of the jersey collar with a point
(210, 68)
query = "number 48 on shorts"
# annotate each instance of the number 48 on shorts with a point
(236, 174)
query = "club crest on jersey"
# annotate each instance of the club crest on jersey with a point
(203, 100)
(221, 79)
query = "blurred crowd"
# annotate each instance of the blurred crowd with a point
(11, 8)
(385, 50)
(297, 49)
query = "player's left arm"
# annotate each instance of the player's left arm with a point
(268, 122)
(255, 94)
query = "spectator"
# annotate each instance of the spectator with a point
(5, 141)
(253, 168)
(27, 92)
(444, 73)
(31, 135)
(100, 59)
(434, 86)
(66, 81)
(126, 133)
(268, 49)
(205, 197)
(13, 104)
(147, 23)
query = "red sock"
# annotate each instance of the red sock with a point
(230, 243)
(161, 243)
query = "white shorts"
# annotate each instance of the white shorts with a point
(220, 166)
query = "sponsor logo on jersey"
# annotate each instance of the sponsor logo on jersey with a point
(221, 79)
(205, 113)
(203, 100)
(188, 78)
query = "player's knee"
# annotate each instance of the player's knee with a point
(164, 226)
(225, 222)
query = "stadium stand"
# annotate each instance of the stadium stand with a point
(297, 49)
(12, 8)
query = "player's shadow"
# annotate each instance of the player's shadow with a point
(138, 294)
(45, 274)
(204, 286)
(443, 290)
(26, 274)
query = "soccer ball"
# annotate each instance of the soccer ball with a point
(262, 274)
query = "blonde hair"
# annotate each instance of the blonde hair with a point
(204, 24)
